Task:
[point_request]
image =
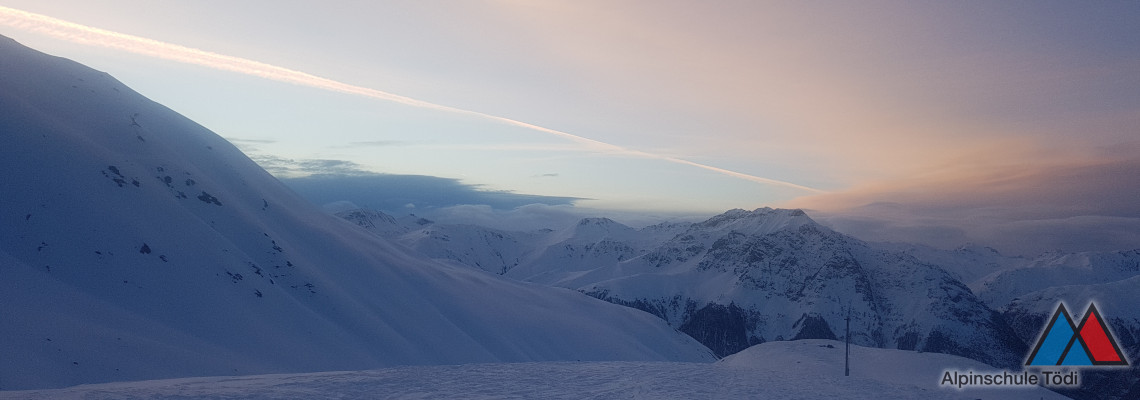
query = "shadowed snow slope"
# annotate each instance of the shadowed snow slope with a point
(136, 244)
(806, 369)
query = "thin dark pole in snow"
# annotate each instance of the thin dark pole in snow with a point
(847, 354)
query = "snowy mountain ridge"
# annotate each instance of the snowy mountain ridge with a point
(136, 244)
(742, 278)
(745, 277)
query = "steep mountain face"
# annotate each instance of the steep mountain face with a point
(135, 244)
(743, 278)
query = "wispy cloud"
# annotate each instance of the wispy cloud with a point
(88, 35)
(392, 192)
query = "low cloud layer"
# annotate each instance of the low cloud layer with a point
(543, 216)
(1073, 206)
(402, 194)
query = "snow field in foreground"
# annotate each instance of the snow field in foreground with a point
(806, 369)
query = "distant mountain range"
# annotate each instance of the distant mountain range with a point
(748, 277)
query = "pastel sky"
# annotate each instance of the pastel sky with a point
(1011, 123)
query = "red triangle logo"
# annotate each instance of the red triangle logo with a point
(1101, 346)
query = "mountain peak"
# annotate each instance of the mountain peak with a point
(597, 222)
(595, 228)
(759, 221)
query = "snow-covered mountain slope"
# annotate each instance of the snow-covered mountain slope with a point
(1116, 301)
(590, 243)
(806, 369)
(971, 263)
(377, 222)
(743, 278)
(1058, 269)
(136, 244)
(1027, 291)
(542, 256)
(998, 279)
(566, 256)
(488, 249)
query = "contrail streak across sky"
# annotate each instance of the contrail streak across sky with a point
(87, 35)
